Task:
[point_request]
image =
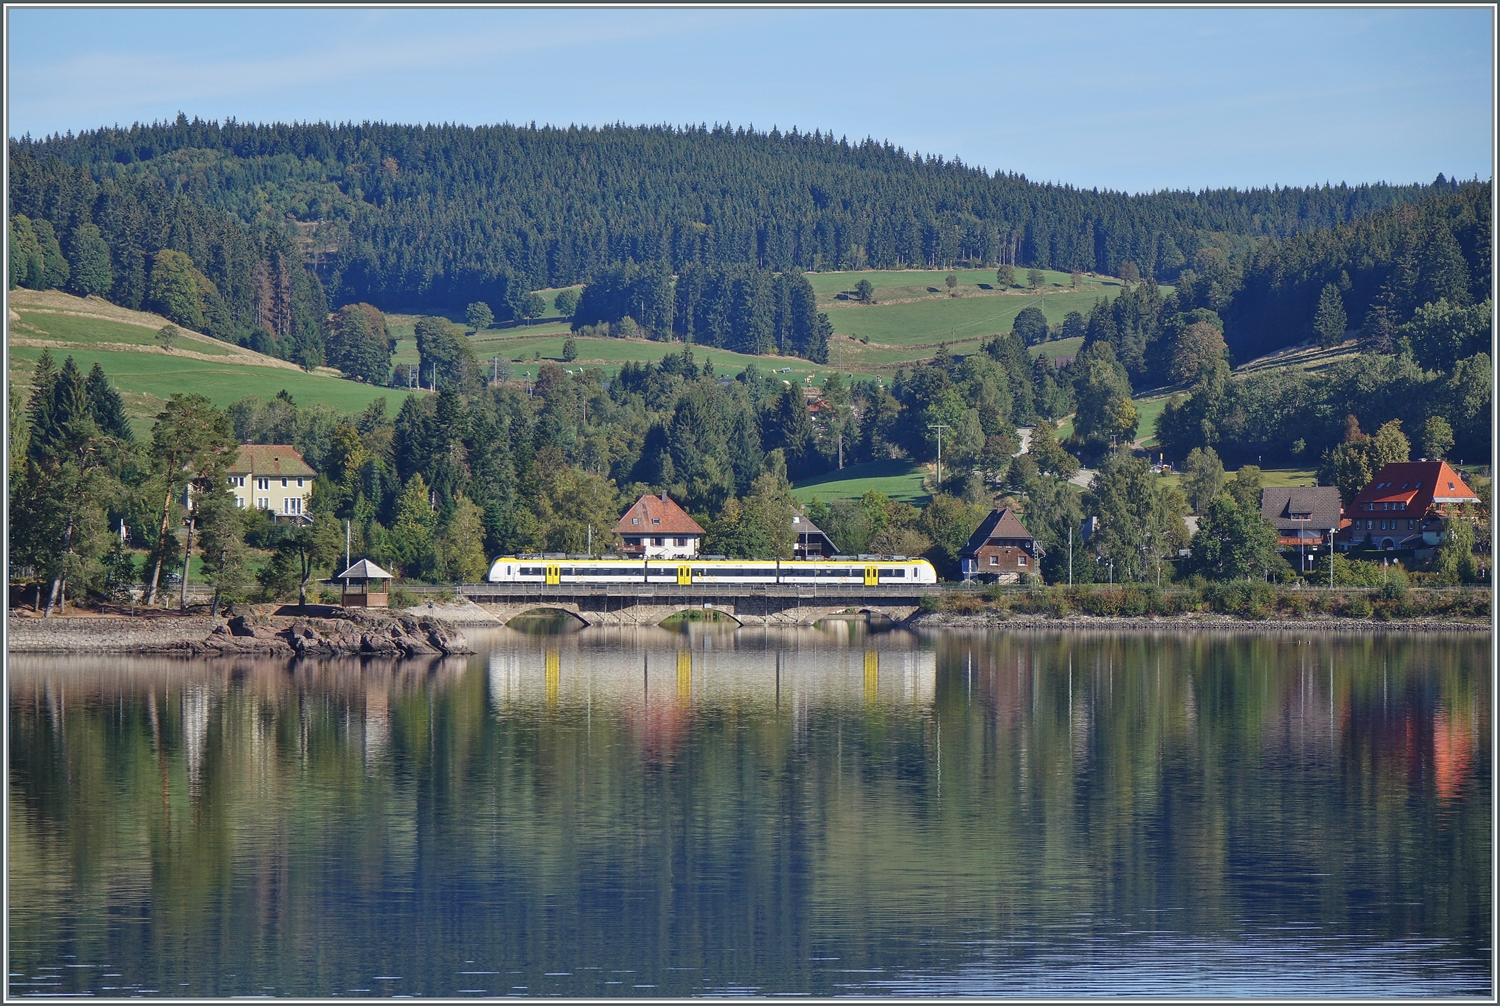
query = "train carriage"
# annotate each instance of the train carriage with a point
(861, 571)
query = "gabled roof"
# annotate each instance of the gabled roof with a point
(275, 460)
(1418, 484)
(999, 524)
(657, 515)
(364, 570)
(802, 525)
(1278, 504)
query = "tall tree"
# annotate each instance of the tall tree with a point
(192, 443)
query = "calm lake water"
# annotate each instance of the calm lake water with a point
(824, 811)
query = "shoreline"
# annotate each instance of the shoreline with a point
(1191, 623)
(278, 635)
(315, 631)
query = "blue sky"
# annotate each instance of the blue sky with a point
(1124, 99)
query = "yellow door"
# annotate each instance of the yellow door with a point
(554, 574)
(872, 576)
(684, 575)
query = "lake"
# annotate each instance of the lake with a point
(830, 811)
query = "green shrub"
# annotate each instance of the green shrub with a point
(930, 603)
(1358, 606)
(402, 598)
(1134, 603)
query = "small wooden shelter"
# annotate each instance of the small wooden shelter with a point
(366, 585)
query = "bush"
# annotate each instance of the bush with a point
(1358, 606)
(330, 595)
(402, 598)
(930, 603)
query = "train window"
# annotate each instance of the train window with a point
(531, 571)
(886, 574)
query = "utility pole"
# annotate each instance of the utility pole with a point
(940, 427)
(591, 541)
(1070, 552)
(841, 450)
(187, 565)
(346, 544)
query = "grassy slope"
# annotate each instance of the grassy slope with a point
(122, 342)
(898, 479)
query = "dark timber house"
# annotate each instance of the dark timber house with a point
(812, 541)
(1000, 550)
(1305, 517)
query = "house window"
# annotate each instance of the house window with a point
(1020, 560)
(239, 502)
(283, 483)
(237, 481)
(1410, 525)
(262, 483)
(994, 560)
(658, 541)
(679, 542)
(292, 504)
(299, 483)
(632, 541)
(263, 503)
(656, 520)
(635, 520)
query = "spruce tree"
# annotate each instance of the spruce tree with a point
(106, 407)
(1331, 321)
(90, 261)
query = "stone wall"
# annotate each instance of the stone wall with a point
(106, 635)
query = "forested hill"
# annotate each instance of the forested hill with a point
(403, 216)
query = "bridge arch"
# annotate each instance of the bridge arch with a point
(718, 610)
(568, 612)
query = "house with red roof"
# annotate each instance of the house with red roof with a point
(657, 528)
(1404, 507)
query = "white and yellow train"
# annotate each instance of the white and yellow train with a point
(851, 572)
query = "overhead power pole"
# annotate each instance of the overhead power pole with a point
(940, 427)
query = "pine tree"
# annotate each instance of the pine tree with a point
(90, 260)
(1331, 322)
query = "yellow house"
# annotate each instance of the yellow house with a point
(271, 477)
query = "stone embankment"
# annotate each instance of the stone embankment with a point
(144, 634)
(328, 632)
(1194, 622)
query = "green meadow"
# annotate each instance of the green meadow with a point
(149, 379)
(86, 331)
(898, 479)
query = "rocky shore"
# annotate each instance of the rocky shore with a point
(249, 630)
(1197, 621)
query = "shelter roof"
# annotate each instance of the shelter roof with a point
(364, 570)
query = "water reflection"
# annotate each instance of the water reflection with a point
(646, 812)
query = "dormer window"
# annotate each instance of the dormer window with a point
(656, 520)
(635, 520)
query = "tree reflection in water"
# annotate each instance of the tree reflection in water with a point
(811, 811)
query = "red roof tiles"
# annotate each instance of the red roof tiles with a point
(657, 515)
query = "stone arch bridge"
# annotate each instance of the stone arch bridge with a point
(649, 604)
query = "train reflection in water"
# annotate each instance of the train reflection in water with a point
(558, 674)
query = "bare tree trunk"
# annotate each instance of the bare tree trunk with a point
(161, 549)
(187, 564)
(57, 581)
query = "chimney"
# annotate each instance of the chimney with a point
(663, 497)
